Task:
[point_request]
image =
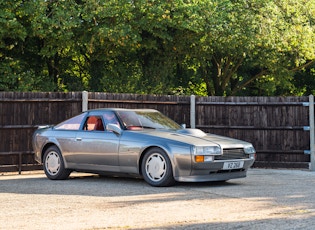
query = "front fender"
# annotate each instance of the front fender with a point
(179, 155)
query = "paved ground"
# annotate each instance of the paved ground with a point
(266, 199)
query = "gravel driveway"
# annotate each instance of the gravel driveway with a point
(266, 199)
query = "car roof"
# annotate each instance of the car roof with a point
(121, 109)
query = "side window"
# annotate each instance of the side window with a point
(72, 123)
(129, 118)
(110, 118)
(94, 123)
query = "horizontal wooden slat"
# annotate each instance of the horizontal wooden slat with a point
(2, 100)
(273, 151)
(269, 164)
(16, 152)
(19, 126)
(15, 168)
(250, 103)
(249, 127)
(139, 102)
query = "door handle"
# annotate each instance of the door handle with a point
(78, 139)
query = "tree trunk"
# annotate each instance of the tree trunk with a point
(53, 70)
(96, 73)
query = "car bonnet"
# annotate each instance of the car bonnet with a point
(196, 137)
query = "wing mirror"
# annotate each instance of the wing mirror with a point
(114, 128)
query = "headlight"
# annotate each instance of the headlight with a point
(207, 150)
(206, 153)
(249, 149)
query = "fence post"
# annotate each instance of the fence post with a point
(192, 111)
(85, 98)
(312, 132)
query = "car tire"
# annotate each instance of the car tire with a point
(157, 168)
(53, 164)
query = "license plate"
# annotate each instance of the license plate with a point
(233, 165)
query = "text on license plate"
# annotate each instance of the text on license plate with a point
(233, 165)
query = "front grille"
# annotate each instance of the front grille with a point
(230, 154)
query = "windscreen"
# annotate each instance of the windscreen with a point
(146, 119)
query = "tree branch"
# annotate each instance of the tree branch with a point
(242, 85)
(307, 64)
(232, 70)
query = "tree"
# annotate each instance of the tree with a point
(205, 47)
(253, 42)
(11, 34)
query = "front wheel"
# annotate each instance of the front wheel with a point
(53, 164)
(157, 168)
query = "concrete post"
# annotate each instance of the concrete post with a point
(193, 111)
(312, 133)
(85, 99)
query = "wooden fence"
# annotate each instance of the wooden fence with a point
(275, 125)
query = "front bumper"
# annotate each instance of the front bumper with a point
(213, 171)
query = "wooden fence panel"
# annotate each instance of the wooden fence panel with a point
(21, 114)
(273, 124)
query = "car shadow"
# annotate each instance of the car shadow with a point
(94, 185)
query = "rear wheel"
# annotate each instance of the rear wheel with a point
(53, 164)
(157, 168)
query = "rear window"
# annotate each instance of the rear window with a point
(72, 123)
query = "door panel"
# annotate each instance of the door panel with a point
(97, 150)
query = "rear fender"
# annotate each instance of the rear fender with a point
(52, 142)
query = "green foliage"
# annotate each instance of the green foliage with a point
(202, 47)
(305, 81)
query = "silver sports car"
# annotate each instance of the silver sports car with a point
(139, 142)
